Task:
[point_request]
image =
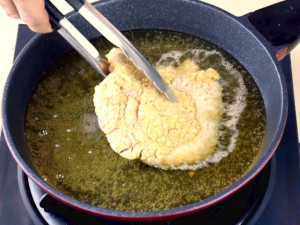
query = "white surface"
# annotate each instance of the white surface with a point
(237, 7)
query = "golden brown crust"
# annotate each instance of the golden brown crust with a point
(141, 123)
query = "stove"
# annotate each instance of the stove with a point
(273, 197)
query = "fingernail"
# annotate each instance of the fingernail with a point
(50, 29)
(14, 16)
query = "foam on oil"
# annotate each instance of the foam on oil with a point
(232, 111)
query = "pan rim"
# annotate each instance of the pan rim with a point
(155, 215)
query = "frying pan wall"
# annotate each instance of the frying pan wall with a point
(192, 17)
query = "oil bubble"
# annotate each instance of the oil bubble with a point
(44, 177)
(60, 176)
(43, 132)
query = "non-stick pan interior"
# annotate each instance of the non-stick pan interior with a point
(190, 17)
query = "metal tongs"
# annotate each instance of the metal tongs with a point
(111, 33)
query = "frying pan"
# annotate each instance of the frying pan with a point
(236, 35)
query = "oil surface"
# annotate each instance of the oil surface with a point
(72, 154)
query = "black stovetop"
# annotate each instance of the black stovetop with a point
(272, 198)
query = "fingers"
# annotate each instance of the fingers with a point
(32, 12)
(10, 9)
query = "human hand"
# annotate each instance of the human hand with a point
(32, 12)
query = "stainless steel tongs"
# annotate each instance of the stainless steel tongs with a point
(111, 33)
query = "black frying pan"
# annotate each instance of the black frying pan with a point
(234, 34)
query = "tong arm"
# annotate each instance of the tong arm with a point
(75, 38)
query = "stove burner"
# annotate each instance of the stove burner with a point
(241, 206)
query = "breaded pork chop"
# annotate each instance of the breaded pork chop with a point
(141, 123)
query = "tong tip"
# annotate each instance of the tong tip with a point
(170, 94)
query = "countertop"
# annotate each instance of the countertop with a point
(237, 7)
